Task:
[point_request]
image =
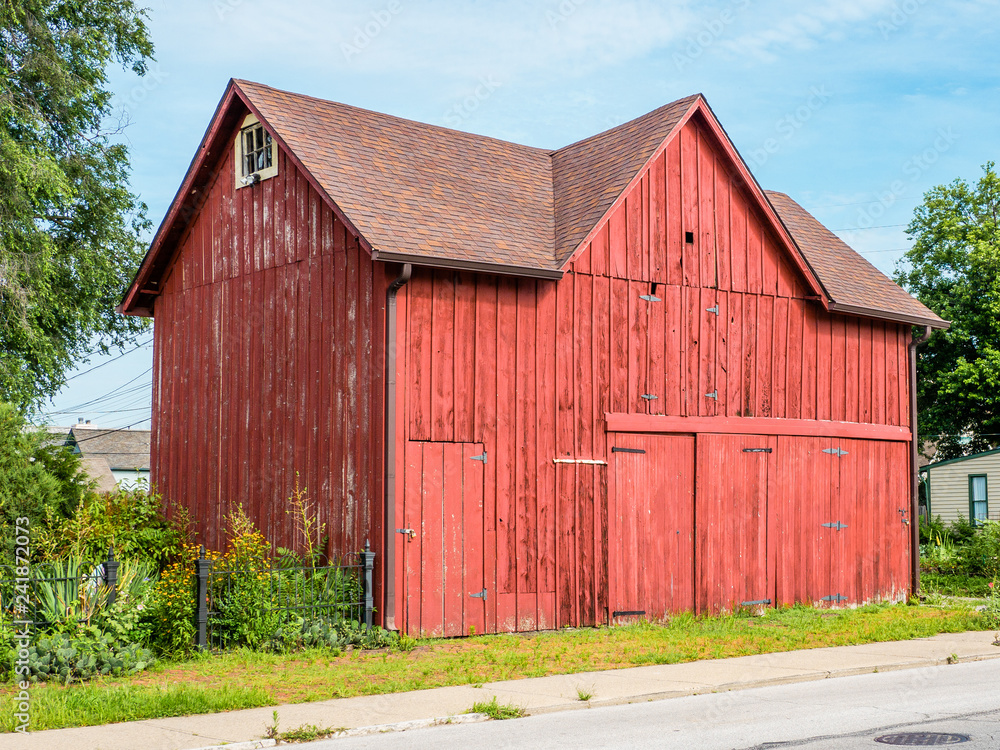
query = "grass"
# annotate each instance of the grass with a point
(584, 695)
(497, 711)
(244, 679)
(954, 584)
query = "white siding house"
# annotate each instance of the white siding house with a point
(967, 486)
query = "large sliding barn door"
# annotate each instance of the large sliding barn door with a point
(731, 520)
(444, 589)
(840, 519)
(652, 533)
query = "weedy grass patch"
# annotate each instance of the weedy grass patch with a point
(208, 683)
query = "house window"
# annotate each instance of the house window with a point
(978, 506)
(256, 158)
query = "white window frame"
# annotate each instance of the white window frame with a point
(243, 180)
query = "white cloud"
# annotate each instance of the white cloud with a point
(804, 29)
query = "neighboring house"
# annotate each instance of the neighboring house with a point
(114, 458)
(968, 487)
(552, 388)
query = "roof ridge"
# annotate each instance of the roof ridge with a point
(624, 125)
(429, 125)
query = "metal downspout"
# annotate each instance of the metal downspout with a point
(389, 520)
(914, 470)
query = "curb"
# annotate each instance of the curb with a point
(400, 726)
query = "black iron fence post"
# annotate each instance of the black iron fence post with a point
(368, 557)
(111, 575)
(202, 569)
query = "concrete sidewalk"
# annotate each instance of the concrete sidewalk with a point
(557, 693)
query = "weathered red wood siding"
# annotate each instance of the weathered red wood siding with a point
(268, 365)
(529, 368)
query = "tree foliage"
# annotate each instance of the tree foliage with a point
(69, 225)
(40, 479)
(954, 269)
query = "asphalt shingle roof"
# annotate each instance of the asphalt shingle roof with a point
(437, 196)
(848, 278)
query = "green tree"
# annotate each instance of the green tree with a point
(954, 269)
(40, 479)
(69, 225)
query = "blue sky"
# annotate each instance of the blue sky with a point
(853, 107)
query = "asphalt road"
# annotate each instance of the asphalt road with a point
(841, 714)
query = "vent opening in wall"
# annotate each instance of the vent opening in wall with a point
(689, 237)
(256, 159)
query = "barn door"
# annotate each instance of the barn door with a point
(808, 521)
(873, 552)
(733, 472)
(444, 590)
(652, 534)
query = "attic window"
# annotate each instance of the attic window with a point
(255, 154)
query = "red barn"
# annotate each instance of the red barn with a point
(567, 387)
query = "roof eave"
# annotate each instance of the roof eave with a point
(872, 312)
(467, 265)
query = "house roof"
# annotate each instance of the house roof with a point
(852, 283)
(935, 464)
(125, 450)
(432, 196)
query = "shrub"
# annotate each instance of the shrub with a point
(982, 554)
(962, 531)
(241, 595)
(64, 659)
(38, 480)
(130, 520)
(172, 606)
(329, 632)
(933, 532)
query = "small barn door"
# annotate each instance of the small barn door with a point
(651, 541)
(731, 520)
(808, 519)
(444, 591)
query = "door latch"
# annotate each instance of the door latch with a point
(409, 532)
(903, 519)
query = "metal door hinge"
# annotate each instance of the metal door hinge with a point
(409, 532)
(480, 595)
(649, 298)
(616, 449)
(835, 452)
(755, 601)
(713, 309)
(834, 598)
(479, 458)
(835, 525)
(648, 396)
(714, 394)
(758, 450)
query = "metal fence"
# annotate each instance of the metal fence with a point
(49, 592)
(46, 593)
(339, 591)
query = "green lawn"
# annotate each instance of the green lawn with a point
(246, 680)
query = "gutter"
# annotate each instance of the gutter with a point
(389, 519)
(914, 469)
